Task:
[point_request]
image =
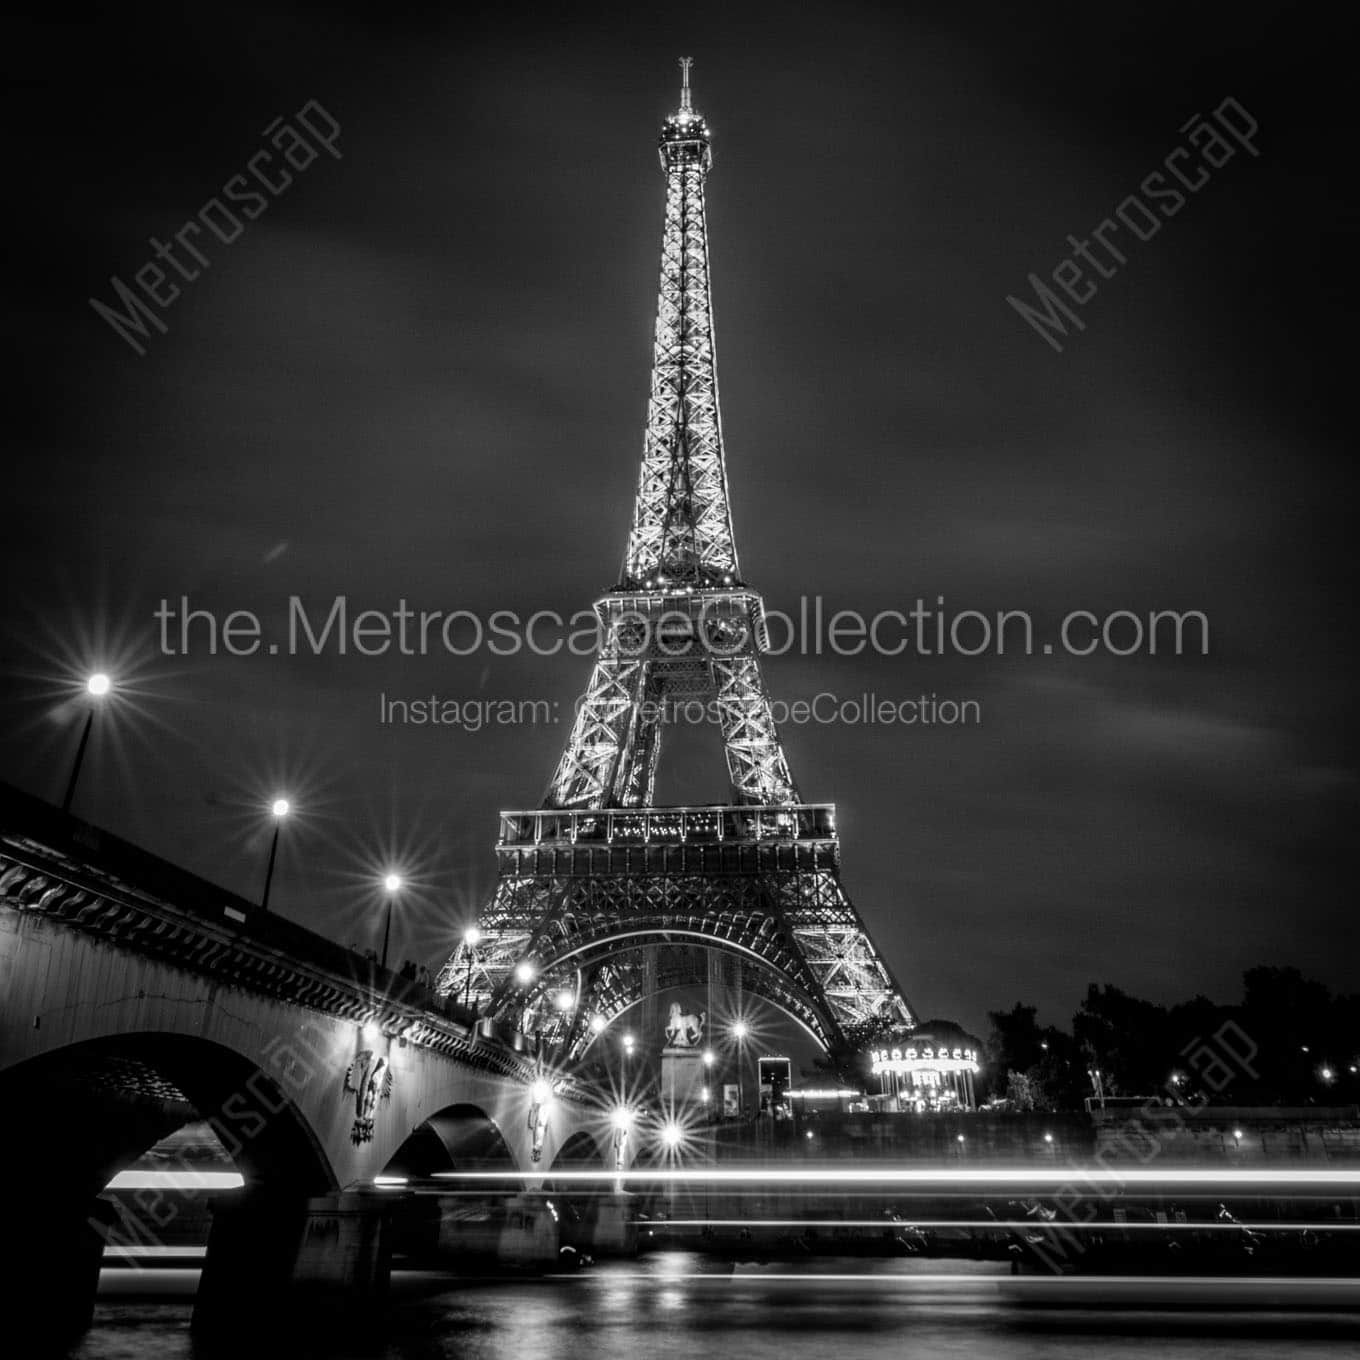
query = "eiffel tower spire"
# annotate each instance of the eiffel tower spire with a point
(603, 897)
(682, 527)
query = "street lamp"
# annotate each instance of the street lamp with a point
(471, 938)
(280, 809)
(392, 885)
(524, 973)
(96, 686)
(739, 1032)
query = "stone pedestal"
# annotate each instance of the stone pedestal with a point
(683, 1078)
(327, 1257)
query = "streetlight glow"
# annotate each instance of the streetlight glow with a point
(541, 1092)
(96, 685)
(708, 1057)
(472, 937)
(740, 1030)
(564, 1000)
(280, 808)
(672, 1134)
(597, 1024)
(524, 973)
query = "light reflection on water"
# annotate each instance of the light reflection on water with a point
(678, 1306)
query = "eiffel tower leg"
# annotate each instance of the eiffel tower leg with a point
(586, 773)
(755, 760)
(852, 977)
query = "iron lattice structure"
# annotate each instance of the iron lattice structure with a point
(603, 895)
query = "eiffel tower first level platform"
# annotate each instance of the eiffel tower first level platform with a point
(604, 898)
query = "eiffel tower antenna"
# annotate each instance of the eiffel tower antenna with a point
(604, 898)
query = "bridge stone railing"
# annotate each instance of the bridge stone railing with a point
(68, 870)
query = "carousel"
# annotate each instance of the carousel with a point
(926, 1069)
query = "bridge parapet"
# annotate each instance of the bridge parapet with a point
(65, 869)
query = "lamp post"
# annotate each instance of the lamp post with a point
(280, 808)
(392, 885)
(739, 1032)
(471, 937)
(96, 686)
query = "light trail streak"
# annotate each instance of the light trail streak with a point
(1072, 1176)
(996, 1224)
(177, 1180)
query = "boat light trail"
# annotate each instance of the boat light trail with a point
(995, 1224)
(177, 1180)
(888, 1176)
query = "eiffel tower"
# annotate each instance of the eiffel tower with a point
(604, 898)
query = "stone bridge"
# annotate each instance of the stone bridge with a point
(135, 997)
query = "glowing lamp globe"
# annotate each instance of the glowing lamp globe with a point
(98, 684)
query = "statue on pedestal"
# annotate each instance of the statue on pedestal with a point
(684, 1031)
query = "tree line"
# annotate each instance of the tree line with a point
(1300, 1046)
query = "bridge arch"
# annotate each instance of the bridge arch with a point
(603, 972)
(94, 1106)
(460, 1137)
(583, 1149)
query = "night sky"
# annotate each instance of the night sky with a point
(422, 374)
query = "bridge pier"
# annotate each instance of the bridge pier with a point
(614, 1231)
(51, 1253)
(322, 1259)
